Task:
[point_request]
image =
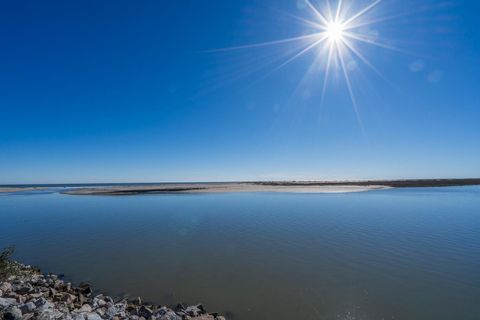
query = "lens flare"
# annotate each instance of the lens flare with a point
(336, 34)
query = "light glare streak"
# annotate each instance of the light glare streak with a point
(336, 34)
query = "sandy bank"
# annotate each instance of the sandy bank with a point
(221, 188)
(19, 189)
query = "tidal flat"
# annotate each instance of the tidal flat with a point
(269, 186)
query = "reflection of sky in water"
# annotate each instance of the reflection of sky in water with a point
(408, 254)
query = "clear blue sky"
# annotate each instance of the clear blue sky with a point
(121, 91)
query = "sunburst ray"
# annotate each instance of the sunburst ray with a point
(338, 35)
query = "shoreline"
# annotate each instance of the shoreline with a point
(28, 294)
(20, 189)
(242, 187)
(271, 186)
(218, 188)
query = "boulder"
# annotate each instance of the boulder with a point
(120, 307)
(21, 298)
(40, 302)
(6, 287)
(10, 294)
(193, 311)
(68, 298)
(12, 313)
(168, 315)
(98, 301)
(50, 314)
(84, 289)
(23, 288)
(28, 316)
(6, 302)
(85, 308)
(92, 316)
(36, 295)
(78, 316)
(111, 312)
(101, 312)
(46, 307)
(145, 312)
(27, 307)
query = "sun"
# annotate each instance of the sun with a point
(338, 34)
(335, 32)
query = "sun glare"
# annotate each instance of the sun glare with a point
(335, 32)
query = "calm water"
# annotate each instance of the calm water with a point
(395, 254)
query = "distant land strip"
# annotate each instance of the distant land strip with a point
(408, 183)
(272, 186)
(253, 186)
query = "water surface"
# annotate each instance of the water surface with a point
(391, 254)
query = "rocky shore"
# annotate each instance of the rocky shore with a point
(28, 294)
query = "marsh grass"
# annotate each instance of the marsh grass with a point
(6, 267)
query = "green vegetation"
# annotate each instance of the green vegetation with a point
(6, 268)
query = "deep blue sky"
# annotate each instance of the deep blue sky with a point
(113, 91)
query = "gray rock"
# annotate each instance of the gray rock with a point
(101, 312)
(28, 316)
(58, 284)
(82, 299)
(28, 307)
(85, 289)
(12, 313)
(36, 295)
(98, 301)
(120, 307)
(92, 316)
(169, 315)
(68, 298)
(85, 308)
(6, 287)
(23, 288)
(10, 294)
(193, 311)
(46, 307)
(21, 298)
(6, 302)
(67, 287)
(77, 316)
(111, 312)
(50, 314)
(145, 312)
(40, 302)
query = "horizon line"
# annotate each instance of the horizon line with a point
(242, 181)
